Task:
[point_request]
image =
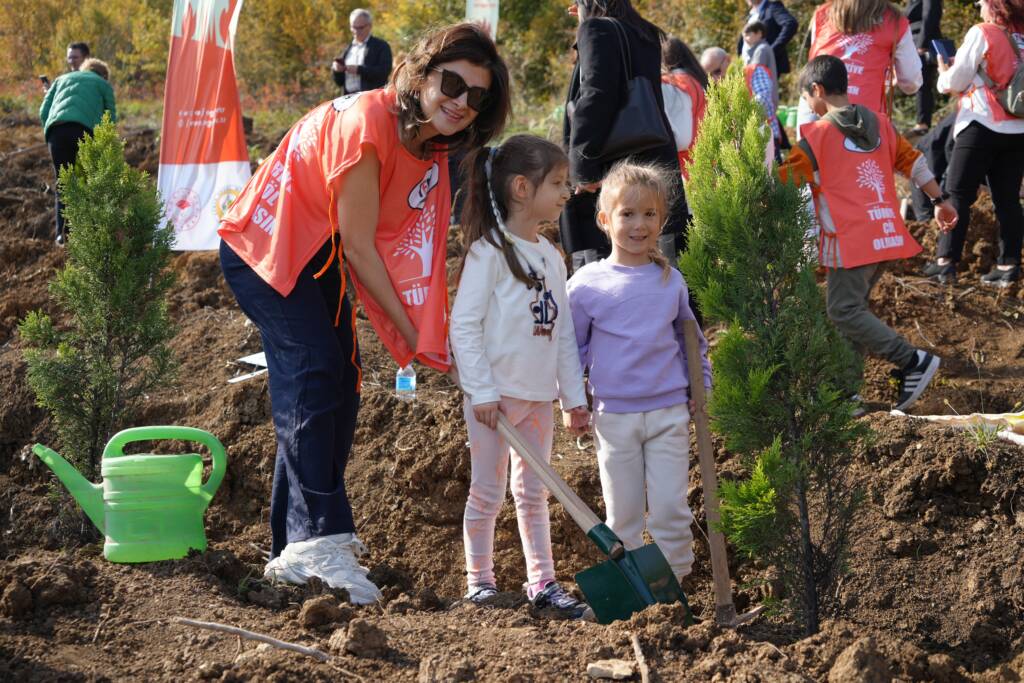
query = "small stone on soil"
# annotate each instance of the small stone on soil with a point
(615, 669)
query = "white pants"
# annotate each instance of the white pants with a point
(645, 466)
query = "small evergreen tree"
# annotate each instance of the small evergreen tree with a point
(783, 374)
(91, 374)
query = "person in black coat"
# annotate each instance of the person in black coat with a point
(597, 91)
(925, 17)
(365, 63)
(780, 27)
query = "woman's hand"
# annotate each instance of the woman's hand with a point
(487, 413)
(945, 216)
(588, 187)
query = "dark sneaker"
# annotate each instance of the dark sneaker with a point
(554, 597)
(480, 595)
(1001, 278)
(915, 378)
(945, 275)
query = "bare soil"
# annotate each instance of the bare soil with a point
(935, 589)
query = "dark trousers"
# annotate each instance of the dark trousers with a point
(979, 152)
(63, 139)
(937, 147)
(313, 375)
(925, 97)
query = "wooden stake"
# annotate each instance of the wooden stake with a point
(725, 611)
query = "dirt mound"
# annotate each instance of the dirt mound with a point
(934, 592)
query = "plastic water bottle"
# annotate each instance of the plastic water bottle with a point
(405, 383)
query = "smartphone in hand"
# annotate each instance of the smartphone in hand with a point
(944, 48)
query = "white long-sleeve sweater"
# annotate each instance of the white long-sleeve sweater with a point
(510, 340)
(962, 79)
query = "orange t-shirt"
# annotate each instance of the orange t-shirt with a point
(285, 212)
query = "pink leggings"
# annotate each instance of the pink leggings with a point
(489, 454)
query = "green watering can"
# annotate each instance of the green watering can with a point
(149, 507)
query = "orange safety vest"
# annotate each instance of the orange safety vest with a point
(999, 64)
(862, 224)
(869, 57)
(691, 86)
(288, 210)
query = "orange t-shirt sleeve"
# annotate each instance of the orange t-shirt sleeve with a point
(906, 155)
(365, 122)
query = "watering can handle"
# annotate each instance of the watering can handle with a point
(115, 448)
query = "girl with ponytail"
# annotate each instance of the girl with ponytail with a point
(514, 346)
(628, 311)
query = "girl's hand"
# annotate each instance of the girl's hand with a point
(576, 420)
(588, 187)
(945, 216)
(487, 413)
(943, 64)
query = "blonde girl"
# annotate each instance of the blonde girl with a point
(514, 348)
(628, 311)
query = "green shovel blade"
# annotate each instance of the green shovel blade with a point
(617, 589)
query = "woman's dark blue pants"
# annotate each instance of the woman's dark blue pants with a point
(313, 377)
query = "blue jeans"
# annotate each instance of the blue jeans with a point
(313, 373)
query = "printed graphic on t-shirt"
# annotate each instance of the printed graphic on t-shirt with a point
(345, 101)
(418, 243)
(870, 177)
(543, 308)
(418, 195)
(412, 263)
(853, 45)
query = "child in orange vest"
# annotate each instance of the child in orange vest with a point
(848, 157)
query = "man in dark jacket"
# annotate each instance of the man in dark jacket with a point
(365, 63)
(925, 16)
(780, 27)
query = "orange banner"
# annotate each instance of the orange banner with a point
(204, 162)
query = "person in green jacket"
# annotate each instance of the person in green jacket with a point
(72, 107)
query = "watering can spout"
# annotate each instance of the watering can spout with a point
(88, 495)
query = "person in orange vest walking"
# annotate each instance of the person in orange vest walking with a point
(988, 140)
(682, 88)
(760, 83)
(357, 188)
(874, 42)
(848, 157)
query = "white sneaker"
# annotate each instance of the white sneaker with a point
(332, 559)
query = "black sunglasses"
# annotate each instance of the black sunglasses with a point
(453, 85)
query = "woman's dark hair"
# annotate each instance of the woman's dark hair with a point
(675, 54)
(1007, 13)
(624, 11)
(466, 41)
(525, 155)
(827, 71)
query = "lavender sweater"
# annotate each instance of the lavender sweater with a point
(629, 328)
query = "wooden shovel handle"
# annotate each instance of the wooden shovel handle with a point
(725, 611)
(577, 509)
